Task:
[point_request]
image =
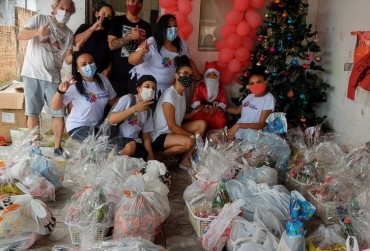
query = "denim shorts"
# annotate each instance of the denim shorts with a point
(36, 92)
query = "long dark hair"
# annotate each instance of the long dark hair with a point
(77, 76)
(161, 33)
(98, 6)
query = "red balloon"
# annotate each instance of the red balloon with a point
(227, 30)
(226, 77)
(183, 35)
(242, 54)
(235, 65)
(248, 43)
(257, 3)
(220, 44)
(170, 11)
(253, 18)
(246, 63)
(225, 55)
(222, 66)
(234, 17)
(243, 29)
(184, 6)
(241, 5)
(167, 4)
(180, 18)
(186, 28)
(234, 41)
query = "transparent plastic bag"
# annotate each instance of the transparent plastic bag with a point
(40, 188)
(126, 244)
(45, 166)
(262, 174)
(215, 235)
(326, 238)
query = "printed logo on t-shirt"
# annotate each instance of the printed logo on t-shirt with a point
(91, 97)
(167, 62)
(250, 105)
(132, 45)
(133, 119)
(55, 40)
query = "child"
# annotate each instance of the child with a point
(255, 108)
(209, 100)
(133, 114)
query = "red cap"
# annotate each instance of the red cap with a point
(211, 67)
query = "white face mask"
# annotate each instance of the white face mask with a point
(147, 94)
(212, 88)
(62, 16)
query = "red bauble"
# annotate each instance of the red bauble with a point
(260, 39)
(306, 66)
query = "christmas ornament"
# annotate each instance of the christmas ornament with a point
(289, 37)
(269, 24)
(260, 39)
(269, 32)
(274, 74)
(272, 50)
(281, 48)
(290, 94)
(270, 15)
(308, 57)
(265, 44)
(318, 58)
(303, 119)
(262, 58)
(304, 42)
(306, 66)
(277, 1)
(258, 63)
(241, 78)
(267, 71)
(302, 96)
(284, 15)
(290, 21)
(294, 62)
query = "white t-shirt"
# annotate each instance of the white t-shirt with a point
(88, 109)
(135, 123)
(160, 66)
(252, 109)
(160, 123)
(45, 55)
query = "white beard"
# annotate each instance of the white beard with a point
(212, 88)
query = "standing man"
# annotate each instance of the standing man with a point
(50, 42)
(126, 33)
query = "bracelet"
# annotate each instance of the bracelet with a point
(60, 92)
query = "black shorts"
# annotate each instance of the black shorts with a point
(158, 144)
(121, 142)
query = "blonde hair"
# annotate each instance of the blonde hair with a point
(56, 2)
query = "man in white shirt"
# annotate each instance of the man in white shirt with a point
(49, 44)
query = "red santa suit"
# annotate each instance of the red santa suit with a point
(212, 95)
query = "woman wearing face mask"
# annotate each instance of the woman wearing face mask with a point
(171, 136)
(89, 93)
(155, 55)
(134, 115)
(93, 38)
(255, 108)
(209, 100)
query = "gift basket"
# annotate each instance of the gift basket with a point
(90, 209)
(326, 238)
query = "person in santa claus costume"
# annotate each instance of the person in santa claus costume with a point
(209, 100)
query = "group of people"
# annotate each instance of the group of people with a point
(118, 63)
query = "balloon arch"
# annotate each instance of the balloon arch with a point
(238, 33)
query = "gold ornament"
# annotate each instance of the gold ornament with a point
(269, 32)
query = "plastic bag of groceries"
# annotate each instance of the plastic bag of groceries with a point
(262, 174)
(217, 233)
(139, 213)
(91, 206)
(23, 221)
(326, 238)
(40, 188)
(45, 166)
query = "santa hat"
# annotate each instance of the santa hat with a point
(211, 67)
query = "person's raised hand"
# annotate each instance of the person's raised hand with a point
(143, 105)
(98, 24)
(135, 33)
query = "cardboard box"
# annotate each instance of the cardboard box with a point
(12, 110)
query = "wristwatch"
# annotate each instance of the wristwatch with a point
(60, 92)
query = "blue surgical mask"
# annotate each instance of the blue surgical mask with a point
(89, 70)
(172, 33)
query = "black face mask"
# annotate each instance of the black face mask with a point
(185, 81)
(106, 23)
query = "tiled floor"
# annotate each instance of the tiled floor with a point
(178, 233)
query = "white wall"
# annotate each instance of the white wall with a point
(336, 20)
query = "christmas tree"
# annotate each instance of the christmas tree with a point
(288, 49)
